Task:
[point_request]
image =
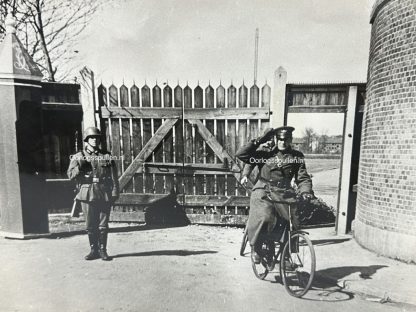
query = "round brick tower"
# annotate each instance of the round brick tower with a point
(386, 204)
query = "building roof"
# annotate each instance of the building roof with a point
(15, 61)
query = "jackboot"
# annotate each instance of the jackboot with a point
(103, 246)
(93, 239)
(255, 257)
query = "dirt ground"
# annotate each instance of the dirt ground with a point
(192, 268)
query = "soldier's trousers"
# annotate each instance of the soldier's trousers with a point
(267, 218)
(97, 215)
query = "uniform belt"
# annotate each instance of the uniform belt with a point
(281, 184)
(92, 180)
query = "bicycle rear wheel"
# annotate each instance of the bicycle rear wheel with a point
(297, 265)
(267, 260)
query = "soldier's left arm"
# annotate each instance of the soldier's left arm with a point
(302, 178)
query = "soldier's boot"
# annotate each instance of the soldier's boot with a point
(255, 257)
(103, 246)
(93, 238)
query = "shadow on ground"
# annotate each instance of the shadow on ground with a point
(120, 229)
(165, 253)
(329, 277)
(323, 242)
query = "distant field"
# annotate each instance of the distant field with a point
(318, 165)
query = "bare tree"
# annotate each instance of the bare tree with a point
(309, 137)
(50, 28)
(322, 139)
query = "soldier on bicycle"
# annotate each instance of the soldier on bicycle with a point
(278, 165)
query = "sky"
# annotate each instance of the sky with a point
(208, 41)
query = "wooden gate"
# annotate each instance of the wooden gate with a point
(183, 142)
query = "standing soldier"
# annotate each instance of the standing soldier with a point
(96, 176)
(278, 165)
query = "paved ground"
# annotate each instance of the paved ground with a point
(193, 268)
(325, 185)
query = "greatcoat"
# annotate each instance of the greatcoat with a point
(276, 171)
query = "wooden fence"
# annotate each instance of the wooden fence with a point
(181, 141)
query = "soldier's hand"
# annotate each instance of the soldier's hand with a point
(244, 181)
(267, 136)
(306, 196)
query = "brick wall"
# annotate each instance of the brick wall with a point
(387, 172)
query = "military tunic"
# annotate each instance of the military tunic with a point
(97, 184)
(276, 171)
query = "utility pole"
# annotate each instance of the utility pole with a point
(256, 54)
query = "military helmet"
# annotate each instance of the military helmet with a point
(91, 131)
(284, 132)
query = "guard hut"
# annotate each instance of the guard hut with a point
(21, 152)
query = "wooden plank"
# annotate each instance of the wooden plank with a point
(214, 200)
(220, 103)
(209, 153)
(199, 142)
(147, 135)
(125, 137)
(187, 172)
(115, 128)
(231, 141)
(147, 150)
(190, 200)
(189, 148)
(158, 151)
(136, 139)
(168, 141)
(194, 113)
(164, 165)
(216, 219)
(265, 103)
(139, 199)
(242, 137)
(61, 106)
(317, 109)
(344, 195)
(104, 122)
(254, 103)
(179, 140)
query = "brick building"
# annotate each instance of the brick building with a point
(333, 145)
(386, 204)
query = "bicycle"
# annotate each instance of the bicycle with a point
(295, 256)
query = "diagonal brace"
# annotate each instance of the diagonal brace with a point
(219, 150)
(146, 151)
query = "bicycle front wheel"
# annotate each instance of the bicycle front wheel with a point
(298, 264)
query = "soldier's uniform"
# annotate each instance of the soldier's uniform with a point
(276, 171)
(96, 176)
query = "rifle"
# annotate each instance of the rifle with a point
(76, 206)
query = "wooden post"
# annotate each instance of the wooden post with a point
(345, 174)
(278, 107)
(88, 98)
(22, 208)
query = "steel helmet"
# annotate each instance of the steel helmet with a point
(91, 131)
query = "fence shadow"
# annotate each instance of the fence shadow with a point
(166, 211)
(179, 252)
